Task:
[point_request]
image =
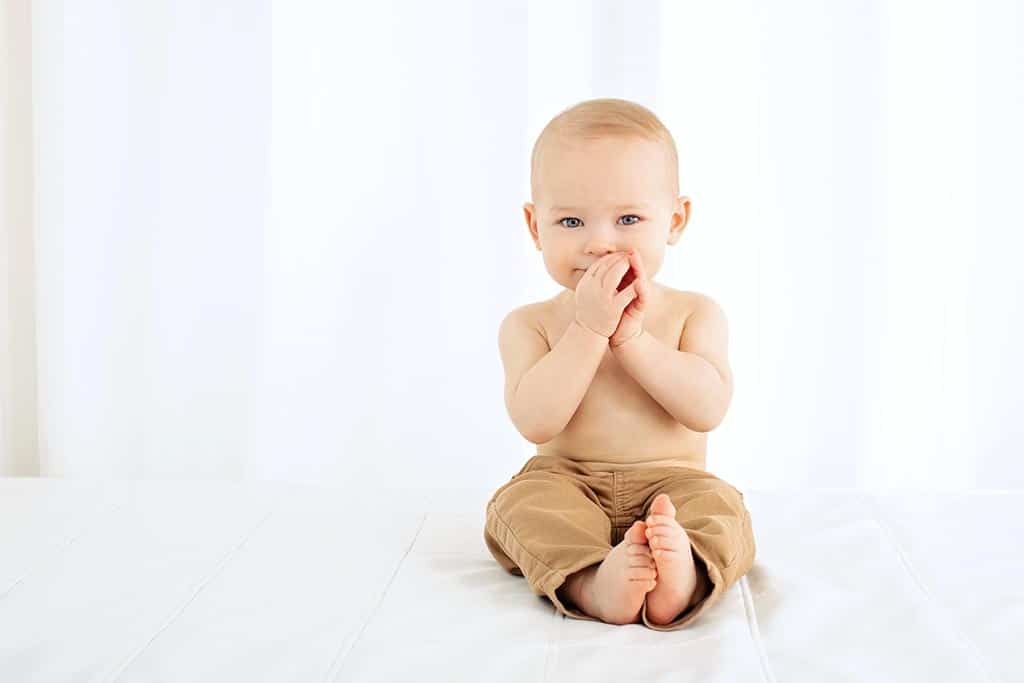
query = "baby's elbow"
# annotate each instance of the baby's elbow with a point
(537, 437)
(715, 411)
(700, 426)
(716, 420)
(532, 433)
(708, 426)
(707, 420)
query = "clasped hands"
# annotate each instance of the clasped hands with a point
(612, 295)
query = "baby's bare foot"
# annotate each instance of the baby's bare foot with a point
(614, 593)
(677, 574)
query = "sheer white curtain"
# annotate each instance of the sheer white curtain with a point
(17, 333)
(275, 240)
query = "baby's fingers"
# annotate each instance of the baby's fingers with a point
(640, 277)
(623, 298)
(638, 264)
(615, 271)
(601, 265)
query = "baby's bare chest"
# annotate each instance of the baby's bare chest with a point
(618, 420)
(616, 401)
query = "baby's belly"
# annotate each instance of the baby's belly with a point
(619, 423)
(644, 444)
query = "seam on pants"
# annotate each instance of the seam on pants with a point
(524, 548)
(615, 498)
(755, 631)
(618, 495)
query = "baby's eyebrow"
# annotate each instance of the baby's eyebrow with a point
(621, 207)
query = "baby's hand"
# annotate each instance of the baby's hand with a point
(631, 324)
(599, 304)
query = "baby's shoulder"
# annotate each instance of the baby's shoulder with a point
(694, 313)
(684, 302)
(529, 316)
(691, 298)
(547, 314)
(528, 311)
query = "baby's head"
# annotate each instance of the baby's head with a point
(604, 177)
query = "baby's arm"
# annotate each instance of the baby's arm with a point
(693, 382)
(543, 388)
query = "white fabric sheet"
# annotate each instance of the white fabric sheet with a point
(212, 581)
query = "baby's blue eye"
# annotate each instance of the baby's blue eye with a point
(573, 218)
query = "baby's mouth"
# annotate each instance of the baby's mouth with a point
(626, 280)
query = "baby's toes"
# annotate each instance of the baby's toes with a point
(642, 573)
(665, 540)
(639, 552)
(642, 560)
(636, 535)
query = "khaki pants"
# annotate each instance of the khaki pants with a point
(557, 516)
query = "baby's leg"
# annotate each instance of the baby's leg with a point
(614, 589)
(673, 555)
(708, 545)
(548, 525)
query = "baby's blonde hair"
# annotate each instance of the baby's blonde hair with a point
(604, 117)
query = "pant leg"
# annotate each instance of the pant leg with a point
(546, 525)
(714, 515)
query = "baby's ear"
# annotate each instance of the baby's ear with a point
(528, 210)
(531, 222)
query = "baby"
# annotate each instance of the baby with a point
(617, 379)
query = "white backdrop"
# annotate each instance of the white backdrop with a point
(275, 240)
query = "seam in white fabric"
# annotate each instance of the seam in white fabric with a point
(68, 542)
(202, 584)
(342, 655)
(554, 643)
(979, 660)
(755, 631)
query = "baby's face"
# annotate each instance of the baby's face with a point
(592, 198)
